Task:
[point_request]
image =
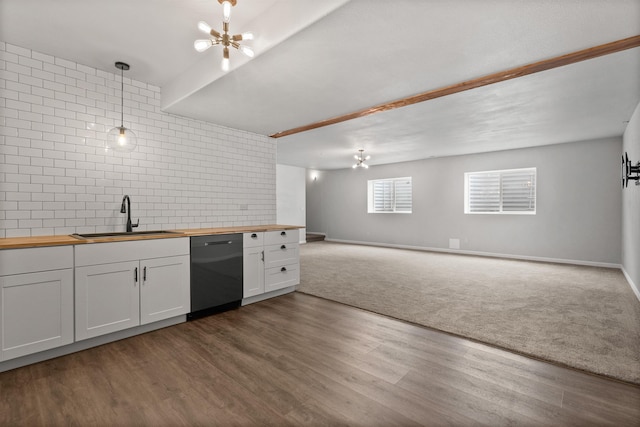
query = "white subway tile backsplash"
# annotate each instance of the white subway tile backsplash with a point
(57, 179)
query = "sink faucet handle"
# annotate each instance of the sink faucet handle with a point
(136, 224)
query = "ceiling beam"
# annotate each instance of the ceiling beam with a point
(512, 73)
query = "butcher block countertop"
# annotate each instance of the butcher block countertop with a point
(40, 241)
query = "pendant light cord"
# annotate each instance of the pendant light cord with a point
(121, 97)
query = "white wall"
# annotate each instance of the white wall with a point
(578, 204)
(290, 196)
(631, 207)
(56, 178)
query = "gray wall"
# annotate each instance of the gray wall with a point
(578, 204)
(631, 206)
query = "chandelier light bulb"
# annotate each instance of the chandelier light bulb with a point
(122, 138)
(226, 11)
(225, 64)
(202, 45)
(247, 36)
(247, 51)
(204, 27)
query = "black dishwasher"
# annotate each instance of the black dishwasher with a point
(216, 273)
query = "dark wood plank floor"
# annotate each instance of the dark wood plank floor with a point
(301, 360)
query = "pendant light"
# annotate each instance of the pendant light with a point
(223, 39)
(120, 138)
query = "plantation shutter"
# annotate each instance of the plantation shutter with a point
(518, 191)
(383, 196)
(505, 191)
(403, 195)
(390, 195)
(484, 192)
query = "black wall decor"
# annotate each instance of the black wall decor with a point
(629, 171)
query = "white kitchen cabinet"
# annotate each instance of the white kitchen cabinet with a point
(120, 285)
(107, 298)
(281, 259)
(36, 300)
(252, 264)
(163, 293)
(271, 262)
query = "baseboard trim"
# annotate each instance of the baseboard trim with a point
(272, 294)
(479, 253)
(634, 287)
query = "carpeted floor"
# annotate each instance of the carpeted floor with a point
(584, 317)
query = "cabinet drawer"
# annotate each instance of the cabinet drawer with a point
(281, 277)
(281, 236)
(31, 260)
(279, 255)
(251, 240)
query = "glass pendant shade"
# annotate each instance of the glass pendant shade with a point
(121, 139)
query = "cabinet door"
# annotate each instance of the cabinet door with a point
(107, 298)
(36, 312)
(252, 272)
(165, 289)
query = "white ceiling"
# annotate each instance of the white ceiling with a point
(318, 60)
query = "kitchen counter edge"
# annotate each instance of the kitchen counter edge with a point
(62, 240)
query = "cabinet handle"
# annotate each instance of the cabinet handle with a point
(284, 233)
(144, 274)
(254, 236)
(283, 247)
(283, 269)
(135, 274)
(262, 256)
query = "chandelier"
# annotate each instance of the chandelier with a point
(223, 39)
(361, 160)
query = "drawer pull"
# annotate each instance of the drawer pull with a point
(254, 236)
(283, 269)
(284, 233)
(283, 247)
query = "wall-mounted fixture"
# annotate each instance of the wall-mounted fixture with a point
(629, 171)
(120, 138)
(224, 39)
(361, 160)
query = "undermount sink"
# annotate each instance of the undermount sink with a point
(122, 234)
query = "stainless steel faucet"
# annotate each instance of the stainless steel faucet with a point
(127, 209)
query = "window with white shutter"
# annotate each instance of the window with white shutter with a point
(511, 191)
(390, 195)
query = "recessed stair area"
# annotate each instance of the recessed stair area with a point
(313, 237)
